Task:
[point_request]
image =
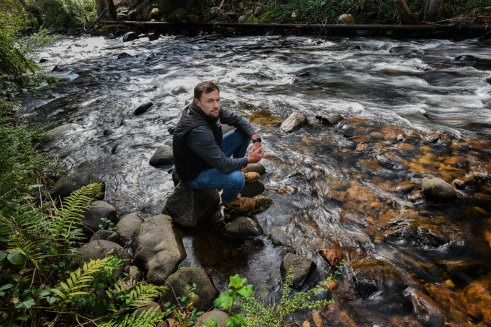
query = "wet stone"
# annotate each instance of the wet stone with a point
(416, 196)
(332, 256)
(142, 108)
(256, 168)
(242, 228)
(437, 189)
(94, 214)
(129, 226)
(459, 184)
(293, 122)
(104, 234)
(425, 308)
(478, 293)
(301, 268)
(72, 182)
(451, 305)
(330, 120)
(99, 249)
(130, 36)
(252, 189)
(405, 187)
(162, 156)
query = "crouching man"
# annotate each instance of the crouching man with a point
(207, 159)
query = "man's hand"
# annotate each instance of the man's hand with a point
(255, 146)
(255, 155)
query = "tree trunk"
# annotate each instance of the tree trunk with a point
(108, 5)
(405, 13)
(432, 10)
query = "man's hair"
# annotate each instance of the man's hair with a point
(204, 87)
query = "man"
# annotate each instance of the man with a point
(206, 159)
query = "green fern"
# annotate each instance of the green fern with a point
(134, 295)
(145, 318)
(64, 224)
(78, 280)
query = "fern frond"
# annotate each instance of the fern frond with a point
(79, 279)
(121, 287)
(142, 293)
(145, 318)
(64, 225)
(29, 248)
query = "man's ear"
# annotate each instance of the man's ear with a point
(196, 101)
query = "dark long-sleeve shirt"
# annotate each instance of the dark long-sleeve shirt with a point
(202, 142)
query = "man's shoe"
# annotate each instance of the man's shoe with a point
(251, 177)
(241, 204)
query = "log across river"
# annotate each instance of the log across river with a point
(403, 110)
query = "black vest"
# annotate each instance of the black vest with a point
(188, 164)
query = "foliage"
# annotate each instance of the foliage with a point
(66, 13)
(257, 314)
(185, 312)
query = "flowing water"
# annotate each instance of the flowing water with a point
(351, 187)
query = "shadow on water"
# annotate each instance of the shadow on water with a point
(410, 109)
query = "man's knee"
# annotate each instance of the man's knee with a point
(237, 178)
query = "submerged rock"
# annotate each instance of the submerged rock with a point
(242, 227)
(130, 36)
(159, 248)
(478, 293)
(437, 189)
(293, 122)
(188, 206)
(142, 108)
(373, 275)
(162, 156)
(453, 308)
(301, 268)
(425, 308)
(330, 120)
(205, 290)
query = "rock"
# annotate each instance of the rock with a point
(332, 256)
(243, 19)
(159, 248)
(243, 228)
(129, 226)
(72, 182)
(449, 302)
(188, 206)
(256, 168)
(459, 184)
(345, 19)
(437, 189)
(154, 13)
(42, 60)
(301, 268)
(425, 308)
(425, 233)
(122, 16)
(259, 10)
(488, 79)
(293, 122)
(142, 108)
(435, 137)
(99, 249)
(135, 273)
(104, 234)
(262, 203)
(175, 178)
(373, 275)
(415, 196)
(130, 36)
(330, 120)
(209, 316)
(205, 290)
(149, 305)
(153, 37)
(252, 189)
(162, 156)
(124, 55)
(405, 187)
(478, 293)
(94, 214)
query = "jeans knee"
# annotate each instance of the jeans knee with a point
(237, 178)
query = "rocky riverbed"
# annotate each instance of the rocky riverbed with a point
(386, 164)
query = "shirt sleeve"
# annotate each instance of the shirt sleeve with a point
(242, 124)
(202, 142)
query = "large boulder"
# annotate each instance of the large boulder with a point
(293, 122)
(188, 206)
(301, 267)
(129, 226)
(205, 290)
(99, 249)
(242, 227)
(209, 316)
(72, 182)
(94, 214)
(159, 248)
(437, 189)
(162, 156)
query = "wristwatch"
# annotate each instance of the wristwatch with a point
(258, 139)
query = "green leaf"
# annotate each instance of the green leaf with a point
(234, 321)
(16, 258)
(6, 287)
(27, 304)
(212, 323)
(3, 255)
(246, 291)
(224, 301)
(236, 282)
(52, 299)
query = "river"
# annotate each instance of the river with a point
(351, 187)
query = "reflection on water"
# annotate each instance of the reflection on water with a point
(412, 109)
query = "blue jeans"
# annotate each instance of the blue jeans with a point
(235, 144)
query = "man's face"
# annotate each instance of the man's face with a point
(209, 103)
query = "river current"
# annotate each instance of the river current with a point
(333, 187)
